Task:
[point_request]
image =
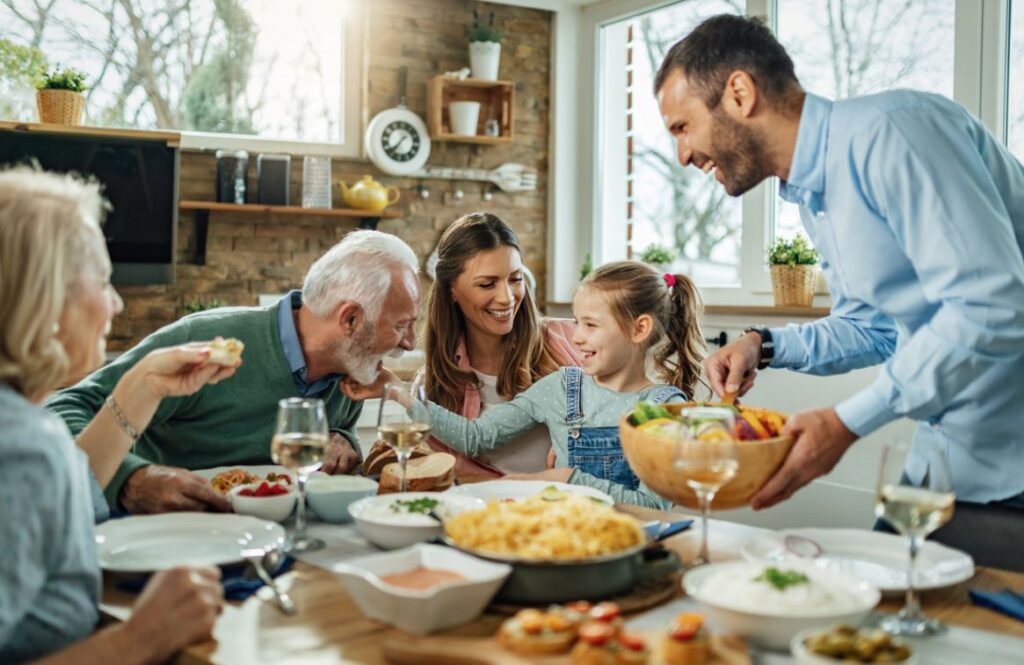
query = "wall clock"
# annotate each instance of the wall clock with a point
(396, 140)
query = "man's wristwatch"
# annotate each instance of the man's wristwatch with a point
(767, 345)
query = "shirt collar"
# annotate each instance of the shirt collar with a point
(806, 183)
(293, 348)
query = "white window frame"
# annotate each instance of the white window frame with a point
(353, 85)
(980, 83)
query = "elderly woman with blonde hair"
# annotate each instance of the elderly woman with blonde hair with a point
(56, 303)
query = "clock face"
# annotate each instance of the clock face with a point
(400, 140)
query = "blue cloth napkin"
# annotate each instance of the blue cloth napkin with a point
(1006, 601)
(236, 585)
(662, 530)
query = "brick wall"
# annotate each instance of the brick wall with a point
(252, 254)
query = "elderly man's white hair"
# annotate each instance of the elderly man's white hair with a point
(357, 269)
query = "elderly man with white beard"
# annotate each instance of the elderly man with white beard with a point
(358, 303)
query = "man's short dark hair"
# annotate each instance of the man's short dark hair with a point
(723, 44)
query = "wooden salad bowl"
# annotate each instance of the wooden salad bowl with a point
(651, 458)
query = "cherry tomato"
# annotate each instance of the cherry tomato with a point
(605, 612)
(632, 642)
(596, 633)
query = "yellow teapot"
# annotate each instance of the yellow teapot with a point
(368, 194)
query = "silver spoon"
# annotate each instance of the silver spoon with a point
(261, 560)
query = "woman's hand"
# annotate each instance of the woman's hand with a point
(179, 370)
(560, 475)
(178, 608)
(357, 392)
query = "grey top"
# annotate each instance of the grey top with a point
(49, 576)
(544, 402)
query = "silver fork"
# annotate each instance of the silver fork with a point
(259, 557)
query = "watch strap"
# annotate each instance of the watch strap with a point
(767, 345)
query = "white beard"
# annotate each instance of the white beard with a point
(355, 356)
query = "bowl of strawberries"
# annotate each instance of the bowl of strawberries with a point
(269, 500)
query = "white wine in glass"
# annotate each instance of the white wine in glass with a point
(403, 422)
(299, 443)
(913, 511)
(707, 458)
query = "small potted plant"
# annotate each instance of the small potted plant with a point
(794, 265)
(659, 256)
(59, 96)
(484, 48)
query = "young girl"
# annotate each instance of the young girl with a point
(625, 312)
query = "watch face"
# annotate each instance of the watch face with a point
(401, 141)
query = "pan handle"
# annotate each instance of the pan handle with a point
(656, 562)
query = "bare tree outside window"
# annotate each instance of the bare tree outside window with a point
(847, 48)
(226, 66)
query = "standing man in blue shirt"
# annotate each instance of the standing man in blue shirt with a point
(918, 213)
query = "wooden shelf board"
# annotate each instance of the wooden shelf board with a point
(483, 140)
(477, 83)
(215, 206)
(760, 310)
(172, 138)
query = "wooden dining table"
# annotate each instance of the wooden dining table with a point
(330, 629)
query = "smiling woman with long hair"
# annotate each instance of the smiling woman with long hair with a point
(485, 340)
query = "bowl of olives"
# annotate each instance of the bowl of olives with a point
(846, 644)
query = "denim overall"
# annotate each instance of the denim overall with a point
(597, 450)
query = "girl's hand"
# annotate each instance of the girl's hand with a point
(179, 370)
(560, 475)
(551, 458)
(357, 392)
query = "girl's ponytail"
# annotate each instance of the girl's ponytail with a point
(678, 358)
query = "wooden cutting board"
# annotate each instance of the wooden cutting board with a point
(487, 651)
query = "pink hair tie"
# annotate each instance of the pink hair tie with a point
(670, 279)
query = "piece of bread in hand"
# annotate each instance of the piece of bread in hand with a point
(431, 473)
(381, 454)
(225, 352)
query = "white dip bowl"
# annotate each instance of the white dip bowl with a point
(331, 496)
(382, 522)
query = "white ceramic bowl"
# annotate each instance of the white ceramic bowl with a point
(391, 530)
(273, 508)
(773, 626)
(330, 496)
(428, 610)
(803, 656)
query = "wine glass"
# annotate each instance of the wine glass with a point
(403, 421)
(300, 440)
(707, 458)
(914, 511)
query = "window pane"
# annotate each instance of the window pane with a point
(243, 67)
(1015, 93)
(683, 209)
(846, 48)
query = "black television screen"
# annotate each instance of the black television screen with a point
(140, 180)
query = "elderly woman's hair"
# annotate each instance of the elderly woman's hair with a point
(47, 225)
(358, 269)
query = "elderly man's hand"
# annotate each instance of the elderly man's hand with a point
(163, 489)
(819, 440)
(340, 456)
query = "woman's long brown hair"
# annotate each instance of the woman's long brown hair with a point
(526, 358)
(634, 289)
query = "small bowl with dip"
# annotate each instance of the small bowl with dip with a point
(424, 588)
(331, 496)
(392, 521)
(768, 605)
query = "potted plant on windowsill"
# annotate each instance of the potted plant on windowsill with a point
(484, 48)
(59, 96)
(794, 265)
(659, 256)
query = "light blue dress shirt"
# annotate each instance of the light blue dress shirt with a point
(293, 349)
(918, 213)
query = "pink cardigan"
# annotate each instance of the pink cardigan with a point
(558, 340)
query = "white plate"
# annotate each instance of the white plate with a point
(154, 542)
(497, 490)
(873, 556)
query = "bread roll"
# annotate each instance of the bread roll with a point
(432, 473)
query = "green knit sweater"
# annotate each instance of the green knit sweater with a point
(224, 424)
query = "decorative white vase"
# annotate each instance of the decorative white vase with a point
(464, 117)
(483, 60)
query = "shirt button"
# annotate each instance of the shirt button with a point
(820, 214)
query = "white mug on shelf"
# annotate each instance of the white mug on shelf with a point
(463, 117)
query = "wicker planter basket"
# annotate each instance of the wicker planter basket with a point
(60, 107)
(793, 286)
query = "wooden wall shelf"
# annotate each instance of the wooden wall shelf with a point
(173, 139)
(497, 101)
(367, 219)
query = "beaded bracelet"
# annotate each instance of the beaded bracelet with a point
(122, 421)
